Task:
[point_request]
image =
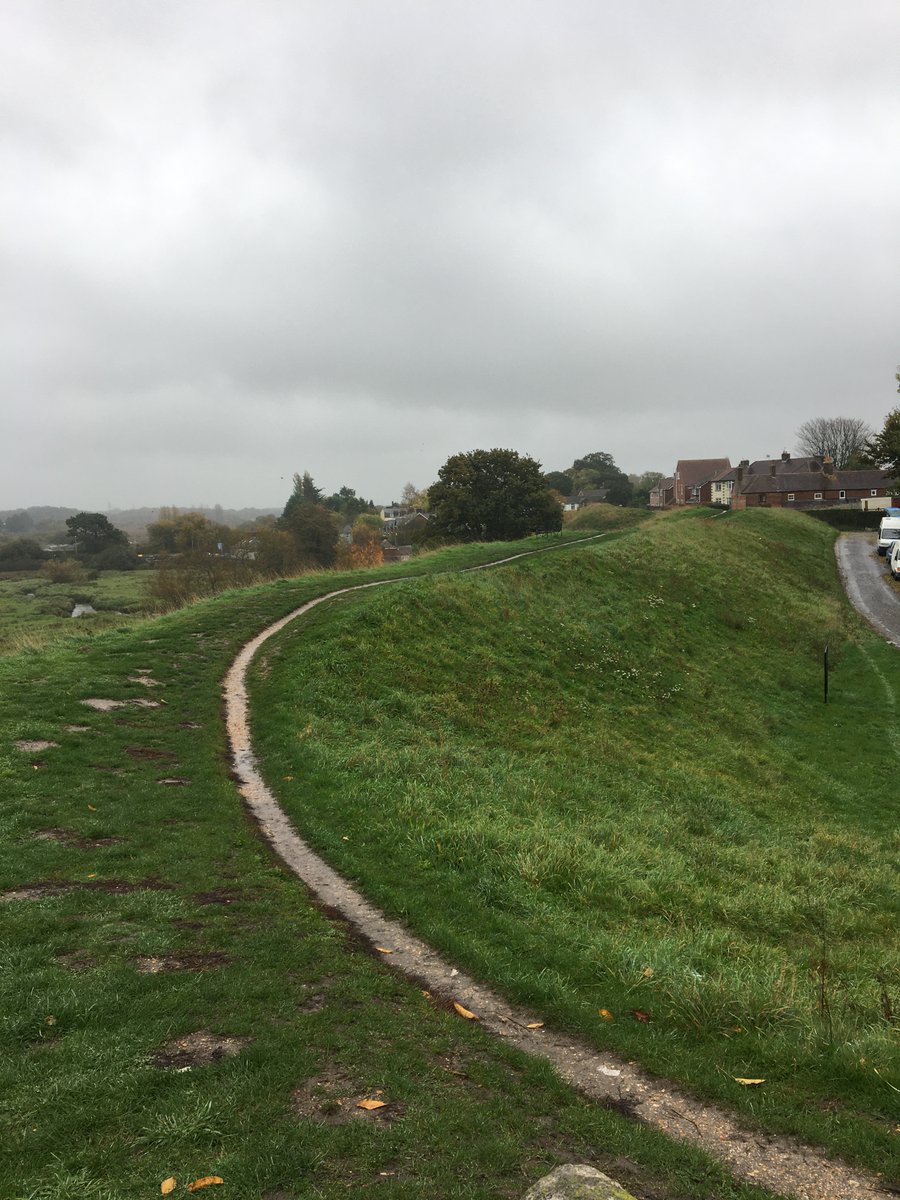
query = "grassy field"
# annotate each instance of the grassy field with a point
(607, 780)
(34, 611)
(170, 1002)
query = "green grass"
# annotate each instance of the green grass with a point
(35, 612)
(604, 516)
(607, 780)
(85, 1111)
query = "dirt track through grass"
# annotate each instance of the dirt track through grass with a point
(779, 1164)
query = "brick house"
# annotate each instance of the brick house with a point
(693, 477)
(805, 483)
(663, 494)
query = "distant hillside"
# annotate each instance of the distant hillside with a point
(43, 517)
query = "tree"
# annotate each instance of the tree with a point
(559, 481)
(491, 494)
(19, 522)
(93, 532)
(884, 448)
(598, 470)
(305, 492)
(22, 549)
(315, 533)
(412, 497)
(843, 438)
(346, 503)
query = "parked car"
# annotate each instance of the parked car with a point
(894, 560)
(888, 533)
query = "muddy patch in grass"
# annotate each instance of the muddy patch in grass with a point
(68, 837)
(155, 964)
(198, 1050)
(101, 705)
(149, 752)
(189, 725)
(222, 895)
(77, 728)
(333, 1098)
(43, 888)
(35, 745)
(174, 781)
(77, 962)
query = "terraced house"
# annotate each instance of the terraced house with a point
(807, 483)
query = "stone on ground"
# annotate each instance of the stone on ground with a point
(576, 1181)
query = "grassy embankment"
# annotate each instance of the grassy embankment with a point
(608, 781)
(149, 910)
(34, 611)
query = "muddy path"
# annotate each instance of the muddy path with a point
(778, 1163)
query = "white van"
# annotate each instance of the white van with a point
(894, 560)
(888, 532)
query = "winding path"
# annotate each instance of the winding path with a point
(778, 1163)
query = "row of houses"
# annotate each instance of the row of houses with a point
(783, 482)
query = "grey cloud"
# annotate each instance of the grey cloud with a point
(357, 236)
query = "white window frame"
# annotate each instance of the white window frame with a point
(842, 495)
(817, 496)
(790, 495)
(873, 491)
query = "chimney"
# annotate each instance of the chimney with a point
(740, 474)
(828, 466)
(785, 457)
(745, 462)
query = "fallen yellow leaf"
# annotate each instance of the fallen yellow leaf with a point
(382, 950)
(206, 1181)
(464, 1012)
(535, 1025)
(747, 1082)
(369, 1105)
(167, 1185)
(49, 1020)
(93, 875)
(605, 1014)
(647, 972)
(93, 809)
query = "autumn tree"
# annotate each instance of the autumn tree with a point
(491, 494)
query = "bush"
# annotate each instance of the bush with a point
(115, 558)
(63, 570)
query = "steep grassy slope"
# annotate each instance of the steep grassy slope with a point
(139, 907)
(608, 781)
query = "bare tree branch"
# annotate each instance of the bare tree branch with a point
(840, 437)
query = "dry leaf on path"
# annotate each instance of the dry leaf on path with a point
(464, 1012)
(369, 1105)
(605, 1014)
(383, 950)
(535, 1025)
(206, 1181)
(747, 1082)
(167, 1185)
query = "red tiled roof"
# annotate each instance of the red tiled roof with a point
(694, 471)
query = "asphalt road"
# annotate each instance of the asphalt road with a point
(868, 583)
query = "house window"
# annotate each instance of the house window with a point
(842, 495)
(873, 492)
(790, 495)
(817, 496)
(763, 497)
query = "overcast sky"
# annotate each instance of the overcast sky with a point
(354, 237)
